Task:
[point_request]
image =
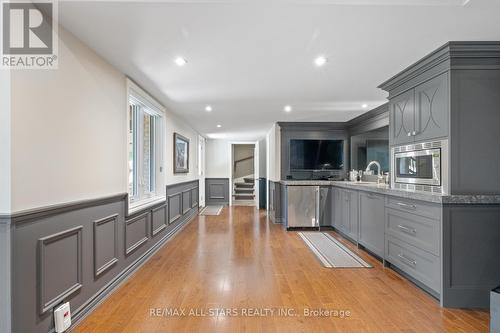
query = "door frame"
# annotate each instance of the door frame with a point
(201, 170)
(255, 167)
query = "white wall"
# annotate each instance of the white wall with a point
(274, 153)
(262, 158)
(174, 124)
(5, 144)
(217, 158)
(69, 131)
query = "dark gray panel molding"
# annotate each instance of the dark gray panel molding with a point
(174, 207)
(312, 126)
(217, 191)
(5, 277)
(102, 242)
(186, 201)
(43, 212)
(176, 186)
(194, 197)
(113, 284)
(158, 219)
(61, 261)
(471, 264)
(5, 219)
(136, 239)
(133, 242)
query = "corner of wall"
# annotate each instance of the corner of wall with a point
(5, 142)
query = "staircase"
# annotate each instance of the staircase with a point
(244, 191)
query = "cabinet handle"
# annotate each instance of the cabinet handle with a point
(407, 230)
(407, 206)
(407, 260)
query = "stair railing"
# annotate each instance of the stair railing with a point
(241, 160)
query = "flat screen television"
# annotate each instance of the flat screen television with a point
(316, 154)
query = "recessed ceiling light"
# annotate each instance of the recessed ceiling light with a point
(364, 106)
(320, 61)
(287, 108)
(179, 61)
(219, 126)
(208, 108)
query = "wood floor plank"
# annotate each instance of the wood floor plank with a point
(240, 260)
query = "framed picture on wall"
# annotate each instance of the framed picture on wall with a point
(181, 154)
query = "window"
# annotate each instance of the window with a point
(145, 133)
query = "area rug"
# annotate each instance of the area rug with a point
(331, 252)
(211, 210)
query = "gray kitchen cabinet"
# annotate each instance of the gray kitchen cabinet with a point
(350, 214)
(402, 118)
(432, 109)
(372, 222)
(325, 207)
(337, 208)
(420, 265)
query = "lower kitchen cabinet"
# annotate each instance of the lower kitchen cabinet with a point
(337, 208)
(350, 214)
(372, 222)
(418, 264)
(345, 212)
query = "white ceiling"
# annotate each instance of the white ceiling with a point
(247, 59)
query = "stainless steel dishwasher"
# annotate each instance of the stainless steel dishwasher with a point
(304, 206)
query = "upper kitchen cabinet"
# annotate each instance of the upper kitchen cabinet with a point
(432, 109)
(421, 113)
(453, 93)
(402, 118)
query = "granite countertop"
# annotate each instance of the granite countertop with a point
(386, 190)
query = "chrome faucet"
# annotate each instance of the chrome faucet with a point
(372, 163)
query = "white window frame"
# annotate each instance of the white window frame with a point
(146, 104)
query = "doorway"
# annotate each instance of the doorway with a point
(201, 170)
(244, 170)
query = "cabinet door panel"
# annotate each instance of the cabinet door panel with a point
(337, 207)
(344, 222)
(372, 222)
(402, 122)
(353, 215)
(432, 109)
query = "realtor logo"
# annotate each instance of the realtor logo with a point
(29, 37)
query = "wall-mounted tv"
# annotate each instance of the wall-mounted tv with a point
(316, 154)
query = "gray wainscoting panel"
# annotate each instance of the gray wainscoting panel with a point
(59, 267)
(277, 209)
(5, 275)
(471, 260)
(76, 255)
(159, 219)
(174, 207)
(194, 197)
(217, 191)
(136, 232)
(186, 201)
(105, 244)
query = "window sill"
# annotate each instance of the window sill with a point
(145, 204)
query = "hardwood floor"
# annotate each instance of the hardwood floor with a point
(240, 261)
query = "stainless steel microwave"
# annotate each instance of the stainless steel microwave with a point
(421, 167)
